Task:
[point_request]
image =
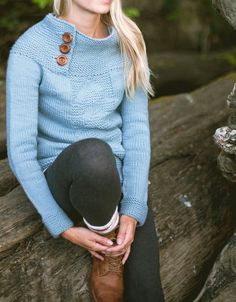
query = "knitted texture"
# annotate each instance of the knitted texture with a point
(49, 106)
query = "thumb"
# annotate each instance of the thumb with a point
(121, 234)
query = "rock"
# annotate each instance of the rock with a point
(227, 8)
(220, 285)
(225, 136)
(192, 202)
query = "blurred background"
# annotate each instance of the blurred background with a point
(188, 42)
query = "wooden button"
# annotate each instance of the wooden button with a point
(64, 48)
(67, 37)
(61, 60)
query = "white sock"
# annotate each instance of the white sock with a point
(110, 226)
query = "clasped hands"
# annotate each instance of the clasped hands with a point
(99, 245)
(125, 237)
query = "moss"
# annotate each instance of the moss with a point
(230, 57)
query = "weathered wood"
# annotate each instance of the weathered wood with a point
(33, 265)
(18, 219)
(184, 172)
(2, 119)
(7, 180)
(221, 283)
(42, 269)
(192, 203)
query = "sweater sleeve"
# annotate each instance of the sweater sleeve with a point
(136, 162)
(23, 76)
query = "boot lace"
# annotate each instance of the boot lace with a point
(115, 264)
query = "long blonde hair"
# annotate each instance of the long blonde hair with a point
(132, 45)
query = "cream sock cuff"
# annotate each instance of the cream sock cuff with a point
(110, 226)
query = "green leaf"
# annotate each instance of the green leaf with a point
(132, 12)
(41, 3)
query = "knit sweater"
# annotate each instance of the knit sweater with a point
(50, 105)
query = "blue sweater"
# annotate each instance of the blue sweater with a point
(54, 99)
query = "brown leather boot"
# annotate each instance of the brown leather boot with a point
(106, 278)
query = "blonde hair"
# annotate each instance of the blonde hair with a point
(132, 45)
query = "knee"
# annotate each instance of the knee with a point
(93, 156)
(88, 145)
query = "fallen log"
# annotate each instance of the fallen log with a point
(192, 202)
(2, 120)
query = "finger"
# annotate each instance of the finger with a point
(97, 255)
(114, 254)
(102, 240)
(97, 247)
(115, 249)
(121, 233)
(119, 254)
(127, 241)
(126, 255)
(127, 234)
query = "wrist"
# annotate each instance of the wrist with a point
(66, 232)
(130, 218)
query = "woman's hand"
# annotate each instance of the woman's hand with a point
(89, 240)
(125, 238)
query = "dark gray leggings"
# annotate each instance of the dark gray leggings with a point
(85, 182)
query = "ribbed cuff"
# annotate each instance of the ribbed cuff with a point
(57, 223)
(135, 210)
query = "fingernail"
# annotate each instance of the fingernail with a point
(119, 241)
(110, 242)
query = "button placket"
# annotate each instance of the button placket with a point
(67, 37)
(64, 48)
(62, 60)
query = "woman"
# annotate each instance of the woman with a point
(78, 140)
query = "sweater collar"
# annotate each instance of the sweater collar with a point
(59, 26)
